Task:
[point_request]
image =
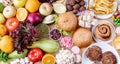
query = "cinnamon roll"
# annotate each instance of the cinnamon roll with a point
(103, 32)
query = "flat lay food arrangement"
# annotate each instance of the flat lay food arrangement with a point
(59, 31)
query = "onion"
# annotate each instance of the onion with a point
(34, 18)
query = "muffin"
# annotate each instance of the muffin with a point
(108, 58)
(67, 21)
(94, 53)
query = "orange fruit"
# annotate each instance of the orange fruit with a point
(32, 5)
(6, 44)
(3, 30)
(21, 14)
(48, 59)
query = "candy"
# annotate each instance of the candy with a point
(66, 42)
(75, 50)
(86, 19)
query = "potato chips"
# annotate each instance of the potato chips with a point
(102, 6)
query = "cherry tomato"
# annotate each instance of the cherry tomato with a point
(12, 24)
(35, 55)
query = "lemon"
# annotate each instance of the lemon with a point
(3, 30)
(2, 18)
(21, 14)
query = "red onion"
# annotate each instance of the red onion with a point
(34, 18)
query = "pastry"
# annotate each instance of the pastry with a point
(108, 58)
(94, 53)
(82, 37)
(116, 43)
(67, 21)
(103, 31)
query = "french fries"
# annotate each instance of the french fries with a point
(102, 6)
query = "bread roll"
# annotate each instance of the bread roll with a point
(67, 21)
(82, 37)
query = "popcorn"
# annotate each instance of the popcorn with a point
(65, 57)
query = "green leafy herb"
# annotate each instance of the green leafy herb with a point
(117, 21)
(3, 56)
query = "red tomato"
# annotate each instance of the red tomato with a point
(35, 55)
(12, 24)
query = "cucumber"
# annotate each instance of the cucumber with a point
(49, 46)
(14, 54)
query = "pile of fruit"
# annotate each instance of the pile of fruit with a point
(47, 31)
(23, 27)
(26, 35)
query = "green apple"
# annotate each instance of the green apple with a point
(19, 3)
(1, 7)
(9, 11)
(2, 18)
